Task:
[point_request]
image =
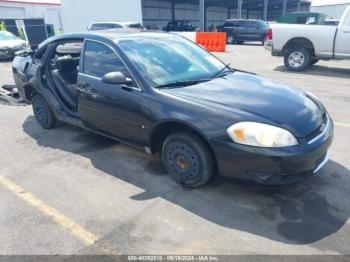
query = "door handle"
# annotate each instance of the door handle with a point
(83, 87)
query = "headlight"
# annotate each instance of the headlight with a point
(261, 135)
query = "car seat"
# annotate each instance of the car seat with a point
(65, 78)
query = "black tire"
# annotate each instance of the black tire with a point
(43, 113)
(314, 61)
(188, 159)
(240, 42)
(301, 61)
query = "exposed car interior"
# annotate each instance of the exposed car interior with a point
(63, 69)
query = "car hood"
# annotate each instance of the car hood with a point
(12, 43)
(261, 99)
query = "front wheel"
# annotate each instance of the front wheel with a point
(188, 159)
(43, 113)
(297, 58)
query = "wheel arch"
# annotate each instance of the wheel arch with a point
(29, 91)
(166, 127)
(299, 41)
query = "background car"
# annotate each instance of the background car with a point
(240, 30)
(115, 25)
(179, 26)
(10, 44)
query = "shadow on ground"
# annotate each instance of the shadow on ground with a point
(320, 70)
(295, 214)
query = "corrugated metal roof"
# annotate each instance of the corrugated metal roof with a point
(40, 2)
(329, 2)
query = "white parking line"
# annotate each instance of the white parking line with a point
(342, 124)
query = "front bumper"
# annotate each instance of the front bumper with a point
(273, 165)
(268, 45)
(8, 52)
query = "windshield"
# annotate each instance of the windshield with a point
(7, 36)
(166, 60)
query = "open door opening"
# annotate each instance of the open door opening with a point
(62, 73)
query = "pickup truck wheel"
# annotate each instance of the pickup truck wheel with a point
(43, 113)
(188, 159)
(297, 58)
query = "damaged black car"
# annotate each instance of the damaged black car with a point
(164, 94)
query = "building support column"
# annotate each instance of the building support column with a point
(202, 15)
(173, 11)
(284, 8)
(228, 12)
(239, 9)
(266, 2)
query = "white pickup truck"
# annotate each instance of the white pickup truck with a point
(304, 45)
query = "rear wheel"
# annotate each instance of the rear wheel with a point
(188, 159)
(43, 113)
(297, 58)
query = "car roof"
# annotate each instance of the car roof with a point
(254, 20)
(113, 35)
(116, 22)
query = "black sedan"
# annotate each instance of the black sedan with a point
(164, 94)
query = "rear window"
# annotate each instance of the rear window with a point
(241, 24)
(101, 26)
(137, 25)
(264, 24)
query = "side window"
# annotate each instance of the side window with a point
(100, 59)
(241, 24)
(228, 24)
(117, 26)
(252, 25)
(137, 25)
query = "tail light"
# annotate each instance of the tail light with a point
(269, 34)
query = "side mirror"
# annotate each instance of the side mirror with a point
(115, 78)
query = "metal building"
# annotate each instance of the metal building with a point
(49, 10)
(77, 14)
(332, 8)
(206, 13)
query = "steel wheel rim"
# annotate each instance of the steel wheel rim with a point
(183, 161)
(296, 59)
